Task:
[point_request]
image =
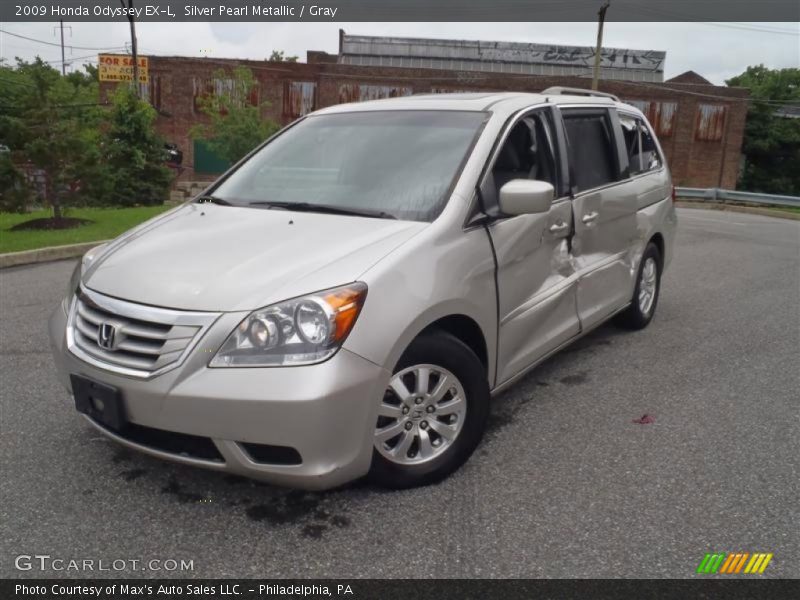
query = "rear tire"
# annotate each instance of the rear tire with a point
(645, 295)
(432, 415)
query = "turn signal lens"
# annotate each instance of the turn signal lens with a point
(346, 304)
(301, 331)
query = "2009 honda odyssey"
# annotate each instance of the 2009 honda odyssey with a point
(346, 299)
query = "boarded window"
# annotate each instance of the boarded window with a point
(441, 90)
(356, 92)
(216, 86)
(709, 122)
(299, 98)
(660, 114)
(154, 93)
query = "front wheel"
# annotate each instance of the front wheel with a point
(645, 294)
(432, 414)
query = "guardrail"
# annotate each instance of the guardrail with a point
(720, 195)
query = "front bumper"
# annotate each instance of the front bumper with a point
(326, 412)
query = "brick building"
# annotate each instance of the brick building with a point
(700, 125)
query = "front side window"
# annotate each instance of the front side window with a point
(527, 153)
(640, 145)
(400, 164)
(591, 148)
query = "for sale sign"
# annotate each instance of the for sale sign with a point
(119, 67)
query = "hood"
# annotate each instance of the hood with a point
(224, 258)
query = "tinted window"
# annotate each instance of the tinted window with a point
(399, 162)
(591, 149)
(640, 145)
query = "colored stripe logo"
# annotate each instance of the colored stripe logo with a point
(732, 563)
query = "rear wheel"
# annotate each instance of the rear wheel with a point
(432, 414)
(645, 294)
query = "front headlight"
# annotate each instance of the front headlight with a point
(83, 264)
(302, 331)
(75, 279)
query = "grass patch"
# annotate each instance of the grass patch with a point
(107, 223)
(791, 209)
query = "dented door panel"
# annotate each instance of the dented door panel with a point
(605, 228)
(537, 282)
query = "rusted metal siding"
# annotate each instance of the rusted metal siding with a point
(357, 92)
(217, 86)
(660, 114)
(299, 98)
(710, 122)
(154, 91)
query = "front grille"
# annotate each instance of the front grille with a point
(144, 341)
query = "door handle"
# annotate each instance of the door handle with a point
(590, 217)
(559, 227)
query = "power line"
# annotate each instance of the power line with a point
(677, 16)
(72, 59)
(666, 86)
(59, 45)
(749, 28)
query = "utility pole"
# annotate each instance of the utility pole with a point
(63, 61)
(134, 53)
(63, 58)
(601, 20)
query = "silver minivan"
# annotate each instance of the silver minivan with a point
(347, 299)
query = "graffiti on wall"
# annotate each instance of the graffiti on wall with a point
(651, 60)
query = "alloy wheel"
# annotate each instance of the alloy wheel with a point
(421, 414)
(647, 285)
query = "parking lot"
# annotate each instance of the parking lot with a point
(566, 484)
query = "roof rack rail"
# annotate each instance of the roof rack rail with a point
(559, 90)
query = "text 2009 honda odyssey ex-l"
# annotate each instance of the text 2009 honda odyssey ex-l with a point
(346, 299)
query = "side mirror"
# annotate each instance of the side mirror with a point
(525, 197)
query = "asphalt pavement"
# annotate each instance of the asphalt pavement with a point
(569, 482)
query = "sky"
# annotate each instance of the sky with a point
(717, 51)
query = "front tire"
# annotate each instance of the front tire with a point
(432, 415)
(645, 295)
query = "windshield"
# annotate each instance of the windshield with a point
(397, 163)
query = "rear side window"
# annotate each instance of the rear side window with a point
(591, 149)
(640, 145)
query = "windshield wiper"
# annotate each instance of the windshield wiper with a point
(212, 200)
(324, 208)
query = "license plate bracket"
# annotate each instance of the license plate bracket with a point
(101, 402)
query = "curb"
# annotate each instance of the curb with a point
(753, 210)
(40, 255)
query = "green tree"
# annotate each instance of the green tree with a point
(771, 139)
(50, 123)
(14, 191)
(234, 123)
(134, 152)
(279, 56)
